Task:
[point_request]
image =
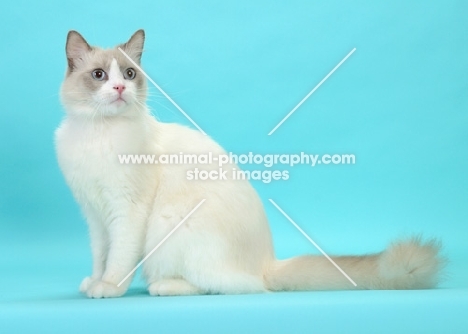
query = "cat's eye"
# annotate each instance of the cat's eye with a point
(99, 74)
(129, 74)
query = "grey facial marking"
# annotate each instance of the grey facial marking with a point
(90, 83)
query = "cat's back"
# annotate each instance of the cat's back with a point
(176, 138)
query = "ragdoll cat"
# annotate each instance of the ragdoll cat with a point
(225, 247)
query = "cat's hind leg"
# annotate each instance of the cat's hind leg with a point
(227, 282)
(173, 287)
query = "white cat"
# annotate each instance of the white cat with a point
(225, 247)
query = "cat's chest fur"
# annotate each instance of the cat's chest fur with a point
(88, 155)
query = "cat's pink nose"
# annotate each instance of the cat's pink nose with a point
(119, 88)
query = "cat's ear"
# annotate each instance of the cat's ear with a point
(134, 46)
(76, 49)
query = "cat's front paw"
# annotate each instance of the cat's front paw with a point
(86, 283)
(101, 289)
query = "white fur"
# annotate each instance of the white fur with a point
(224, 247)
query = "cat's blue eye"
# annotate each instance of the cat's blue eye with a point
(129, 74)
(99, 74)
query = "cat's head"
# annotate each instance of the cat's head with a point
(103, 82)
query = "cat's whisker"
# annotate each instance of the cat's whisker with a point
(165, 107)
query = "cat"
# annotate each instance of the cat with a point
(225, 246)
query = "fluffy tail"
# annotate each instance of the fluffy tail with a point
(410, 264)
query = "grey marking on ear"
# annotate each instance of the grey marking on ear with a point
(75, 48)
(134, 46)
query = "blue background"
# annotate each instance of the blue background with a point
(399, 103)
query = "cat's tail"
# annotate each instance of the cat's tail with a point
(408, 264)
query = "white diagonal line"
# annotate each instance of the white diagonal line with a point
(312, 241)
(161, 242)
(161, 90)
(311, 92)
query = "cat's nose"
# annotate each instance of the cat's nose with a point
(119, 88)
